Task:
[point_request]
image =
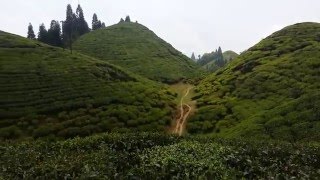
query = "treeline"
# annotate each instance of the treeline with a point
(216, 56)
(64, 34)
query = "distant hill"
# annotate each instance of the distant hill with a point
(46, 91)
(229, 55)
(209, 60)
(271, 91)
(138, 49)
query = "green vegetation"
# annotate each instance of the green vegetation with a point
(269, 92)
(228, 56)
(157, 156)
(215, 60)
(180, 90)
(136, 48)
(48, 92)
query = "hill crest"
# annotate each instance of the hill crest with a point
(138, 49)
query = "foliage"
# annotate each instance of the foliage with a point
(270, 91)
(157, 156)
(43, 34)
(31, 34)
(54, 34)
(82, 25)
(127, 19)
(193, 57)
(96, 24)
(215, 60)
(136, 48)
(47, 92)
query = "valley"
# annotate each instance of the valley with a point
(118, 101)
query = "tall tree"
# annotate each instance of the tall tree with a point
(96, 24)
(68, 28)
(220, 60)
(31, 34)
(43, 34)
(193, 57)
(81, 22)
(127, 19)
(54, 34)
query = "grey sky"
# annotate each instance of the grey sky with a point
(189, 25)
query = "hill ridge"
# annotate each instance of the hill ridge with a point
(258, 94)
(138, 49)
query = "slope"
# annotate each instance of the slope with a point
(229, 55)
(135, 47)
(46, 91)
(208, 60)
(272, 91)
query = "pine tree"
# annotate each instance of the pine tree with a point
(31, 34)
(54, 34)
(103, 25)
(82, 25)
(220, 60)
(43, 34)
(95, 22)
(193, 57)
(127, 19)
(121, 20)
(68, 28)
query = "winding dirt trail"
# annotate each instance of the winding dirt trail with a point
(185, 110)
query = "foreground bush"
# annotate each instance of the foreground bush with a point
(157, 156)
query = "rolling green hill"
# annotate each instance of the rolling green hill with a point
(136, 48)
(272, 91)
(46, 91)
(208, 61)
(229, 55)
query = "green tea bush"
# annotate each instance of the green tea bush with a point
(157, 156)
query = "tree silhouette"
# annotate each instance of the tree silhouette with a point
(127, 19)
(54, 34)
(43, 34)
(82, 25)
(68, 28)
(31, 34)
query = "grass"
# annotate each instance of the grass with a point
(136, 48)
(48, 92)
(270, 91)
(180, 89)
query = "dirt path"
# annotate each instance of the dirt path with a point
(184, 114)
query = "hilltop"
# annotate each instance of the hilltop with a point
(138, 49)
(46, 91)
(270, 91)
(229, 55)
(213, 61)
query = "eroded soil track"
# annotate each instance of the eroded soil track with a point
(181, 120)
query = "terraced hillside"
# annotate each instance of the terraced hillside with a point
(46, 91)
(272, 91)
(135, 47)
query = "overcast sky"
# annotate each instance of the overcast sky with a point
(189, 25)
